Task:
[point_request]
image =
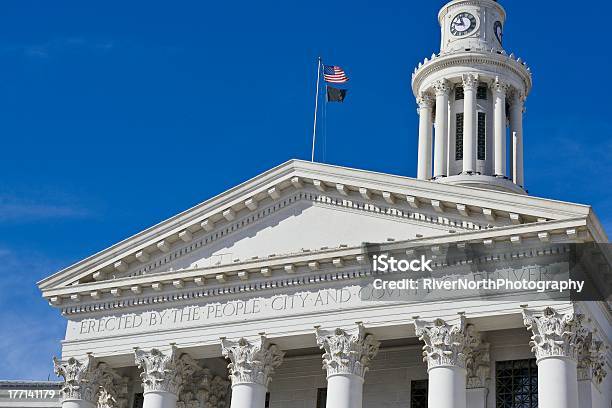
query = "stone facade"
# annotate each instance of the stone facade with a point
(264, 296)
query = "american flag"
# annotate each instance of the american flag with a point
(334, 74)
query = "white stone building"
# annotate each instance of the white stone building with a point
(273, 275)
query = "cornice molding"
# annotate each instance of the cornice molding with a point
(469, 59)
(191, 282)
(298, 174)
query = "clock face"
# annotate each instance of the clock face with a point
(498, 31)
(463, 24)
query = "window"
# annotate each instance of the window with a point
(516, 384)
(321, 397)
(267, 405)
(458, 93)
(138, 400)
(418, 394)
(482, 133)
(481, 92)
(459, 137)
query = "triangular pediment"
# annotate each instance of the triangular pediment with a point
(300, 207)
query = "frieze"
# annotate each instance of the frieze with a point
(290, 281)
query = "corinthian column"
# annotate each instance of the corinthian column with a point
(251, 367)
(425, 141)
(347, 357)
(447, 349)
(81, 387)
(555, 341)
(163, 375)
(499, 124)
(442, 88)
(470, 83)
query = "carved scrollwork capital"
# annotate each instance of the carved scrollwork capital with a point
(113, 388)
(478, 361)
(251, 361)
(592, 358)
(425, 101)
(554, 334)
(81, 378)
(470, 81)
(500, 87)
(203, 390)
(446, 344)
(164, 371)
(347, 351)
(442, 87)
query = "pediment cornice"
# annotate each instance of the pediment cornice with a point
(462, 207)
(305, 268)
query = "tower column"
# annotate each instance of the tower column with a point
(252, 365)
(499, 124)
(470, 83)
(425, 140)
(347, 358)
(442, 88)
(555, 341)
(516, 130)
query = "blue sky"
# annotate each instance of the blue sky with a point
(116, 115)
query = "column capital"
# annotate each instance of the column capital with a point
(164, 372)
(478, 362)
(81, 378)
(347, 351)
(470, 81)
(592, 359)
(203, 390)
(446, 344)
(425, 101)
(515, 97)
(251, 361)
(500, 87)
(113, 388)
(554, 334)
(442, 87)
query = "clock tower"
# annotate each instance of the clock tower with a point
(472, 93)
(474, 25)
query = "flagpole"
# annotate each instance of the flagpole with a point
(314, 128)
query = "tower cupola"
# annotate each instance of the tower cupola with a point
(472, 92)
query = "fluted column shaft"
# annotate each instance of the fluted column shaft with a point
(252, 364)
(499, 123)
(516, 130)
(442, 89)
(555, 341)
(425, 137)
(447, 348)
(347, 356)
(470, 84)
